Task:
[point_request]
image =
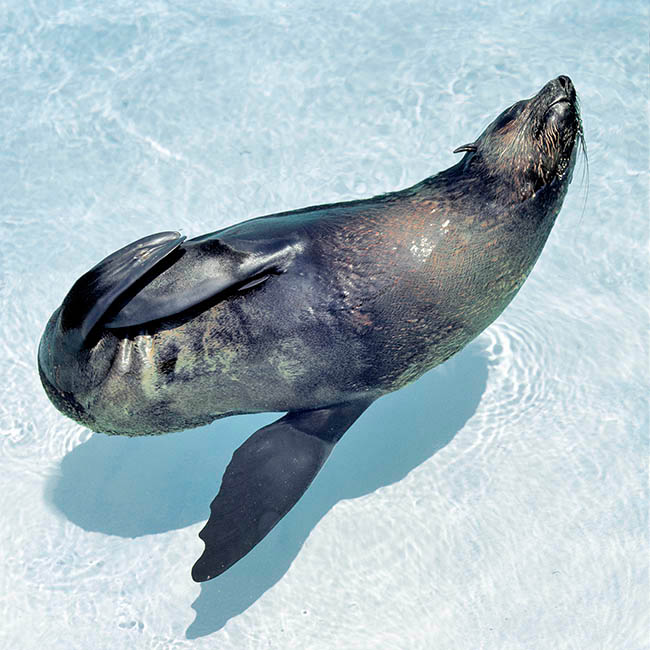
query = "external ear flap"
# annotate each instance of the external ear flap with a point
(466, 147)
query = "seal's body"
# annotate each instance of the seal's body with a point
(317, 312)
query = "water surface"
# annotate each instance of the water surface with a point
(500, 501)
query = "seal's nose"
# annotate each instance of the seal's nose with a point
(564, 85)
(565, 82)
(558, 89)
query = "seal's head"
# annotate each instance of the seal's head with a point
(532, 142)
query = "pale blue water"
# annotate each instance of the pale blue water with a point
(501, 501)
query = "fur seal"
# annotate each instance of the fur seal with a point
(315, 312)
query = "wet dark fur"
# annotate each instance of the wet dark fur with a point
(382, 290)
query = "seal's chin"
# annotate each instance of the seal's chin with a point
(562, 167)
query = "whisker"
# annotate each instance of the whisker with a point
(585, 169)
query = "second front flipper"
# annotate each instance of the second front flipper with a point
(264, 480)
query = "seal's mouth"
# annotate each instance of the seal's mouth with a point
(557, 99)
(563, 100)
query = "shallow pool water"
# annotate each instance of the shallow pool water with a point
(501, 501)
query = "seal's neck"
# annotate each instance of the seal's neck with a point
(478, 196)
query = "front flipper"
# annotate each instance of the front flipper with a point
(264, 480)
(207, 267)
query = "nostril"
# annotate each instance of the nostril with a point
(565, 82)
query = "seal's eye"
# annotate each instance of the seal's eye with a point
(508, 115)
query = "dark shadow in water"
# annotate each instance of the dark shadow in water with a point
(138, 486)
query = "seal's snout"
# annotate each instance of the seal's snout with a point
(559, 90)
(556, 106)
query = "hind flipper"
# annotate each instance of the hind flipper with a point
(264, 480)
(95, 292)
